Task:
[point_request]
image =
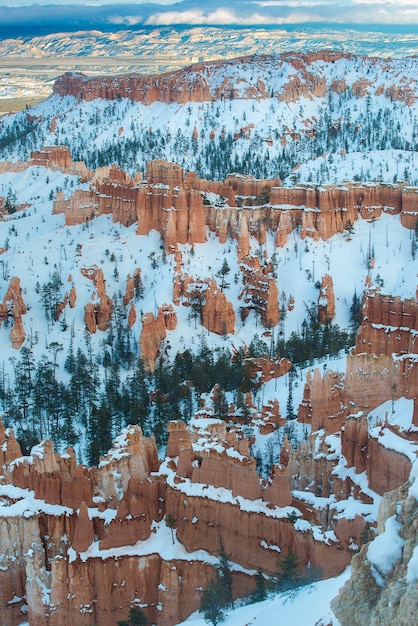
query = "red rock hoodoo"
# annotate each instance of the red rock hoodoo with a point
(14, 306)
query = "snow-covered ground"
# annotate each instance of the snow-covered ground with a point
(39, 243)
(328, 137)
(307, 606)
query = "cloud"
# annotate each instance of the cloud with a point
(289, 3)
(77, 14)
(126, 20)
(392, 3)
(280, 12)
(219, 17)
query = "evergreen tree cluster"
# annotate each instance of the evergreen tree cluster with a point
(137, 617)
(218, 595)
(344, 122)
(104, 391)
(316, 340)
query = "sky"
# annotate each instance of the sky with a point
(113, 13)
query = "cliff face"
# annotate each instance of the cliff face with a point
(373, 375)
(70, 558)
(59, 158)
(389, 325)
(384, 590)
(230, 80)
(89, 544)
(177, 206)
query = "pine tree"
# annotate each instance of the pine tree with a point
(220, 404)
(137, 617)
(348, 227)
(171, 522)
(223, 272)
(290, 413)
(224, 571)
(99, 433)
(288, 575)
(260, 592)
(210, 604)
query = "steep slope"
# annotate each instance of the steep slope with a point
(311, 485)
(263, 116)
(383, 584)
(267, 331)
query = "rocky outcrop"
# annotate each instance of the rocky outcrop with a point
(208, 302)
(154, 330)
(326, 300)
(260, 292)
(72, 297)
(186, 85)
(133, 285)
(132, 315)
(384, 591)
(365, 450)
(129, 290)
(85, 548)
(177, 206)
(79, 208)
(373, 375)
(389, 325)
(307, 75)
(206, 454)
(324, 403)
(13, 306)
(264, 368)
(97, 314)
(76, 563)
(217, 314)
(169, 206)
(56, 480)
(304, 86)
(59, 158)
(9, 447)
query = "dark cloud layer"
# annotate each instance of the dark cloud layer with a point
(68, 16)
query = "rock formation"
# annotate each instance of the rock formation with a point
(326, 300)
(14, 306)
(384, 590)
(76, 562)
(90, 531)
(231, 80)
(97, 314)
(177, 206)
(154, 330)
(260, 291)
(207, 301)
(59, 158)
(217, 313)
(372, 375)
